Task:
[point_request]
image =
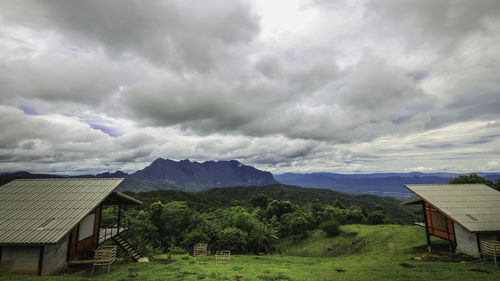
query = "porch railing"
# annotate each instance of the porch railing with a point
(418, 219)
(109, 231)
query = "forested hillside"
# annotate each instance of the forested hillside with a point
(230, 196)
(250, 219)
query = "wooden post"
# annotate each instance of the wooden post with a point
(478, 244)
(40, 261)
(119, 214)
(77, 236)
(427, 229)
(99, 225)
(68, 254)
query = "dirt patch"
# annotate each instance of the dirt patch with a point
(407, 265)
(340, 270)
(436, 249)
(480, 270)
(81, 269)
(163, 261)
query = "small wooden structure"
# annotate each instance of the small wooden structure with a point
(200, 250)
(223, 257)
(45, 222)
(104, 255)
(463, 214)
(490, 248)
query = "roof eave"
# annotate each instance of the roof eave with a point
(26, 244)
(413, 201)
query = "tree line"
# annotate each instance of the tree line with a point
(175, 227)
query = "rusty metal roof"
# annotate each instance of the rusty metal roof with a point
(476, 207)
(42, 211)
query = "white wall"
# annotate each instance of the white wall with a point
(24, 260)
(466, 241)
(21, 260)
(54, 257)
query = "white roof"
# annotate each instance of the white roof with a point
(42, 211)
(476, 207)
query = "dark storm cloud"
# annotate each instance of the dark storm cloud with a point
(176, 34)
(54, 78)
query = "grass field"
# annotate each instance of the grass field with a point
(360, 253)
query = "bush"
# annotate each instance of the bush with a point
(177, 250)
(376, 217)
(331, 227)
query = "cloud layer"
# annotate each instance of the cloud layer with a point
(349, 86)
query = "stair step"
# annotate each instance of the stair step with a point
(127, 247)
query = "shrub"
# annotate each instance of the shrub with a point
(376, 217)
(331, 227)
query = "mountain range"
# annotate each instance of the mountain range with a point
(194, 175)
(383, 184)
(186, 175)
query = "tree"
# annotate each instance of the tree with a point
(496, 185)
(376, 217)
(260, 201)
(331, 227)
(143, 234)
(316, 209)
(176, 217)
(279, 208)
(475, 178)
(338, 204)
(296, 223)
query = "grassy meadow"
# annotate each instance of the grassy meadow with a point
(360, 252)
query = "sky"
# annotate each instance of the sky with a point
(354, 86)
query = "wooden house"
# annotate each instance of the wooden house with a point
(464, 214)
(44, 222)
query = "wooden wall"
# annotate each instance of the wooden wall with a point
(438, 224)
(75, 245)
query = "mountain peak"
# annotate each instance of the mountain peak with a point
(203, 175)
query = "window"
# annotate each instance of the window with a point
(86, 227)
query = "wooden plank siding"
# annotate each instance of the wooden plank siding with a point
(439, 224)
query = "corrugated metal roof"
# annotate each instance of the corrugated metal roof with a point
(42, 211)
(474, 206)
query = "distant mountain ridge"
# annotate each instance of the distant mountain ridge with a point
(185, 175)
(203, 175)
(383, 184)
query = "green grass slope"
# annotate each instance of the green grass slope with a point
(361, 256)
(354, 240)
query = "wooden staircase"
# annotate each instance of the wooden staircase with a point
(127, 247)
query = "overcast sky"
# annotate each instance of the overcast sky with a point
(286, 86)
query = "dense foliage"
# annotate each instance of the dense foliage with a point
(175, 227)
(475, 178)
(248, 196)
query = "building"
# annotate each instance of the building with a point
(44, 222)
(464, 214)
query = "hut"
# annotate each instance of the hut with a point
(464, 214)
(44, 222)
